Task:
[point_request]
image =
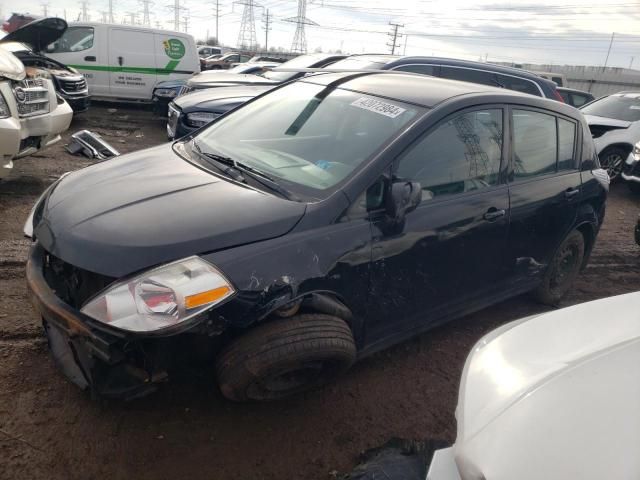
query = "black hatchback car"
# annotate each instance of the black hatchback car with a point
(312, 226)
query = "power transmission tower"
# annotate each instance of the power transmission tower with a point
(299, 44)
(176, 7)
(185, 22)
(111, 20)
(217, 13)
(247, 36)
(85, 14)
(133, 18)
(267, 26)
(158, 25)
(146, 18)
(45, 10)
(104, 16)
(395, 36)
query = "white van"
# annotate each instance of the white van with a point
(125, 61)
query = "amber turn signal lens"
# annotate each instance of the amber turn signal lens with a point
(203, 298)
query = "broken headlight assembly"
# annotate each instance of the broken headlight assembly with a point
(162, 297)
(166, 92)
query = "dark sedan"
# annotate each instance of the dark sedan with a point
(309, 228)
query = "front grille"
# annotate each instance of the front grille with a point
(32, 97)
(71, 284)
(72, 86)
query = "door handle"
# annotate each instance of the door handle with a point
(89, 58)
(120, 61)
(493, 214)
(571, 192)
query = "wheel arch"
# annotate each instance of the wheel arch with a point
(627, 147)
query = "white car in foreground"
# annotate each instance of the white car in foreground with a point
(553, 397)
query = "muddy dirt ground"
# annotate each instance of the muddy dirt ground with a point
(49, 429)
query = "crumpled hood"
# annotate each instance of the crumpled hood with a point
(555, 396)
(607, 122)
(151, 207)
(221, 79)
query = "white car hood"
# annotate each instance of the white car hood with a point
(554, 397)
(10, 66)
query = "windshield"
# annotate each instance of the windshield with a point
(360, 64)
(307, 135)
(303, 61)
(620, 107)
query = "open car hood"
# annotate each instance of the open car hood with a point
(38, 34)
(10, 66)
(554, 397)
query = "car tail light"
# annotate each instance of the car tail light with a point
(557, 96)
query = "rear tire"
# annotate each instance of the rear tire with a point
(285, 356)
(562, 270)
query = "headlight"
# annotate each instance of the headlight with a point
(636, 152)
(4, 108)
(162, 297)
(200, 119)
(165, 92)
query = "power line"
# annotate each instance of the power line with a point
(299, 44)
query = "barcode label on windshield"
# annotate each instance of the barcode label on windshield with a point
(383, 108)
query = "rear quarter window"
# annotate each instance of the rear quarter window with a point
(519, 84)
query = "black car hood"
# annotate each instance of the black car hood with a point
(39, 33)
(218, 100)
(152, 207)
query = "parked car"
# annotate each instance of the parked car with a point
(614, 121)
(102, 53)
(558, 78)
(32, 116)
(253, 68)
(273, 78)
(192, 111)
(313, 225)
(224, 62)
(551, 396)
(17, 20)
(454, 69)
(205, 51)
(28, 42)
(575, 98)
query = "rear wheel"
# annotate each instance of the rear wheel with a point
(612, 160)
(285, 356)
(562, 270)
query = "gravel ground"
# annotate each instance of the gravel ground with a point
(49, 429)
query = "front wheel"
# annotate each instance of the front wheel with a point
(562, 270)
(285, 356)
(612, 160)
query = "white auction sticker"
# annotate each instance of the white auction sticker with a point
(383, 108)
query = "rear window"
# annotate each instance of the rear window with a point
(469, 75)
(519, 84)
(620, 107)
(421, 69)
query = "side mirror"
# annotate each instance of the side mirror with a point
(403, 198)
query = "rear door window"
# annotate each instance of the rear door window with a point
(468, 75)
(463, 154)
(534, 144)
(519, 84)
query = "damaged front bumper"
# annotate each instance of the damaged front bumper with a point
(631, 169)
(95, 358)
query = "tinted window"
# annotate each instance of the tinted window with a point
(461, 155)
(566, 97)
(566, 142)
(618, 106)
(519, 85)
(74, 39)
(534, 143)
(467, 75)
(557, 80)
(579, 100)
(421, 69)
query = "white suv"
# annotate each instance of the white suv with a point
(32, 116)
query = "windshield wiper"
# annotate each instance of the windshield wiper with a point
(237, 171)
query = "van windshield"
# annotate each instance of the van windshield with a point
(307, 136)
(618, 106)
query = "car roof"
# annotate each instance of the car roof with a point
(409, 87)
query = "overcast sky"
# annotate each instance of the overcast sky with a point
(520, 31)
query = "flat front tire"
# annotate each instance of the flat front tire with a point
(285, 356)
(562, 270)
